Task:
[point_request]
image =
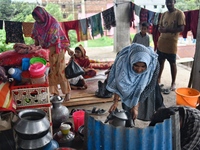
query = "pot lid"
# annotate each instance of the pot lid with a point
(121, 114)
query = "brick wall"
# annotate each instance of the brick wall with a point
(91, 6)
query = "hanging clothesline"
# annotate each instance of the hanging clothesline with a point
(14, 30)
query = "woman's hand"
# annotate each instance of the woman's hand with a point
(134, 112)
(113, 106)
(115, 103)
(70, 52)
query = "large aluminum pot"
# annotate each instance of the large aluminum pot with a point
(35, 143)
(32, 124)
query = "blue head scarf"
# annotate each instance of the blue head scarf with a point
(124, 81)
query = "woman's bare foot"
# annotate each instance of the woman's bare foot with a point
(67, 97)
(173, 87)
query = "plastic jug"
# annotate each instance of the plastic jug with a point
(25, 64)
(15, 73)
(78, 118)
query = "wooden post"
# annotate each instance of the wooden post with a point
(195, 75)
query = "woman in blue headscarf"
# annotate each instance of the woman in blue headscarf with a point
(133, 78)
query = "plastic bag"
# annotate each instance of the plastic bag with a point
(102, 92)
(73, 70)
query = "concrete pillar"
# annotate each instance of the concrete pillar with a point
(122, 29)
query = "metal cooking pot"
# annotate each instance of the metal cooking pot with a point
(32, 124)
(35, 143)
(117, 118)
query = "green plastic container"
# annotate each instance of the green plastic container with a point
(38, 59)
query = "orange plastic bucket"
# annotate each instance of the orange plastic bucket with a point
(187, 97)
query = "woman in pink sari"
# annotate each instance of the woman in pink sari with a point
(49, 35)
(83, 60)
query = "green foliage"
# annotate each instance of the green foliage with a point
(186, 5)
(29, 18)
(100, 42)
(3, 45)
(6, 10)
(28, 40)
(54, 10)
(21, 10)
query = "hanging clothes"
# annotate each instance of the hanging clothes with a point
(131, 15)
(109, 18)
(27, 28)
(143, 15)
(83, 30)
(72, 25)
(155, 32)
(84, 25)
(150, 17)
(137, 10)
(191, 19)
(156, 18)
(96, 25)
(14, 32)
(1, 24)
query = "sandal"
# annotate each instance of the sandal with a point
(96, 111)
(166, 91)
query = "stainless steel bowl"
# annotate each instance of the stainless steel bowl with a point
(35, 143)
(32, 124)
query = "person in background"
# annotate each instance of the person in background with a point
(78, 83)
(83, 60)
(49, 35)
(142, 37)
(189, 124)
(171, 24)
(133, 79)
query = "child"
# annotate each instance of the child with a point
(78, 83)
(83, 60)
(142, 37)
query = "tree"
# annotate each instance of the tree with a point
(6, 9)
(54, 10)
(186, 5)
(21, 10)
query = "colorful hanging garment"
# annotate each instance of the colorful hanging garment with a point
(96, 25)
(150, 17)
(27, 28)
(1, 24)
(72, 25)
(191, 19)
(137, 10)
(84, 25)
(83, 31)
(109, 18)
(131, 15)
(14, 32)
(143, 15)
